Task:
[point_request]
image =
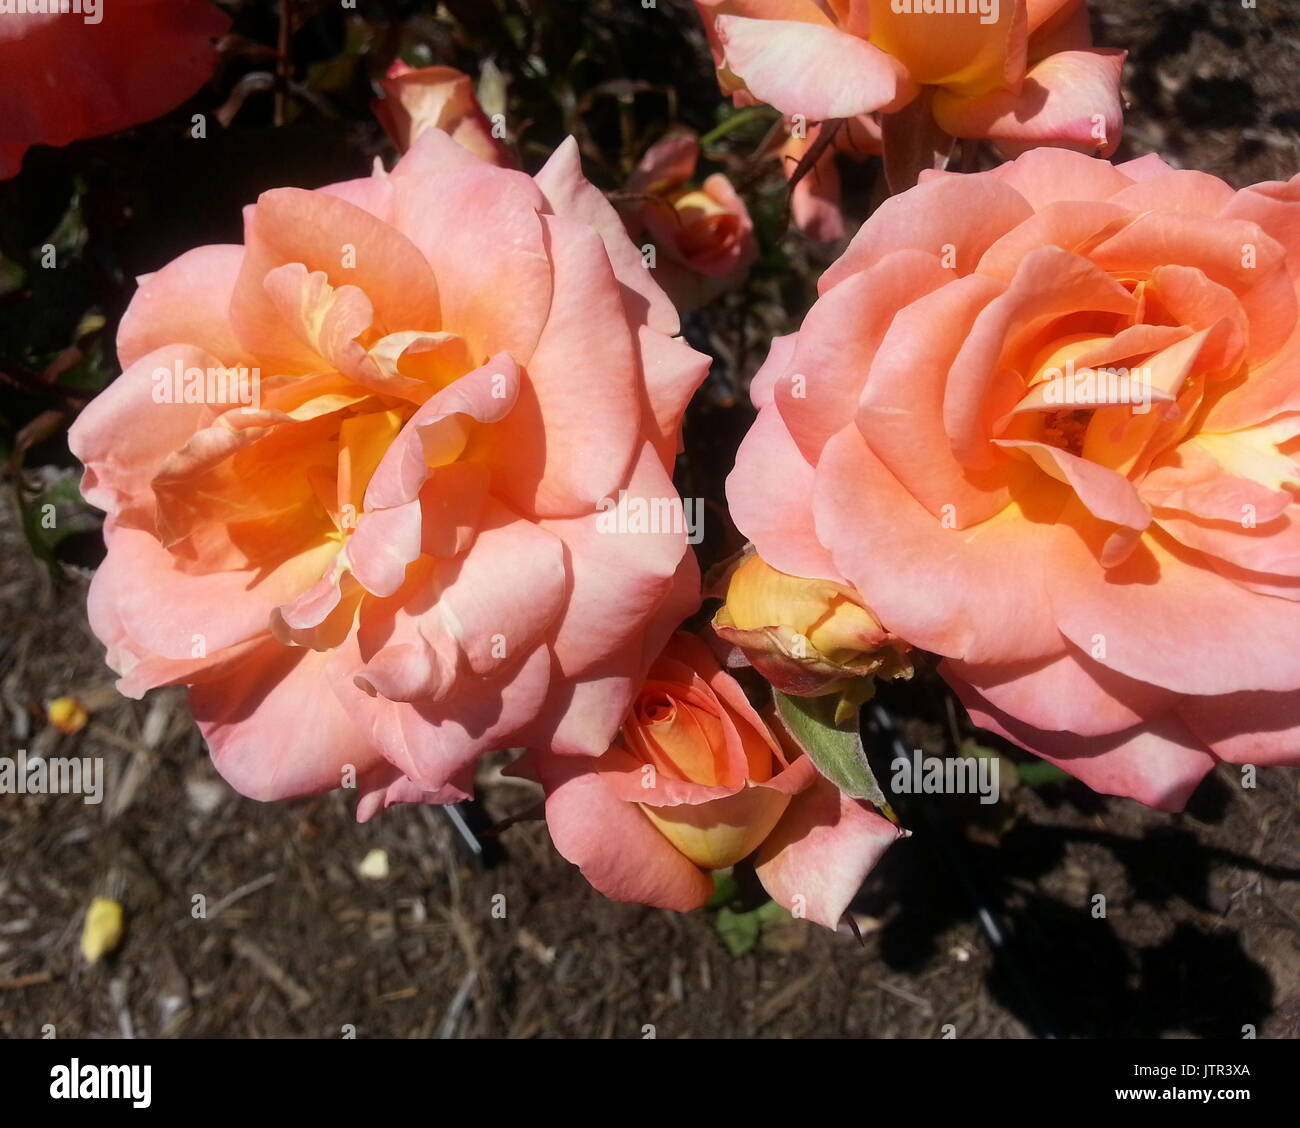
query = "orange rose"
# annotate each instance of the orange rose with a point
(699, 782)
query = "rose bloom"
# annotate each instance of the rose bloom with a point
(416, 99)
(397, 560)
(815, 200)
(699, 782)
(703, 237)
(1031, 77)
(1109, 561)
(808, 637)
(62, 79)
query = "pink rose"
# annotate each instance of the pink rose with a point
(1018, 72)
(1044, 420)
(436, 98)
(401, 557)
(699, 782)
(62, 78)
(703, 237)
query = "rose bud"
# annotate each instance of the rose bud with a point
(815, 199)
(699, 782)
(420, 98)
(703, 237)
(808, 637)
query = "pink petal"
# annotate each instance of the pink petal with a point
(563, 448)
(292, 225)
(121, 457)
(172, 613)
(668, 163)
(433, 742)
(614, 563)
(584, 712)
(275, 729)
(780, 355)
(612, 842)
(1159, 763)
(1214, 246)
(1134, 619)
(1179, 190)
(571, 196)
(1069, 693)
(1074, 226)
(1107, 495)
(964, 213)
(769, 492)
(186, 302)
(1069, 99)
(1247, 728)
(673, 371)
(1048, 283)
(839, 340)
(434, 435)
(948, 590)
(902, 408)
(494, 291)
(1046, 176)
(805, 68)
(385, 786)
(816, 859)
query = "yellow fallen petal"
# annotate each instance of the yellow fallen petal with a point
(103, 930)
(374, 865)
(67, 714)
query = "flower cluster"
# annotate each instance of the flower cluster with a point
(1041, 427)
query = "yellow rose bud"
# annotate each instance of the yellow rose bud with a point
(808, 637)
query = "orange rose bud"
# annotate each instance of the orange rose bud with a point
(67, 714)
(700, 762)
(702, 234)
(420, 98)
(807, 637)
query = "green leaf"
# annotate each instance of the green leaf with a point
(725, 889)
(738, 931)
(770, 912)
(55, 513)
(1039, 773)
(741, 931)
(835, 750)
(971, 747)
